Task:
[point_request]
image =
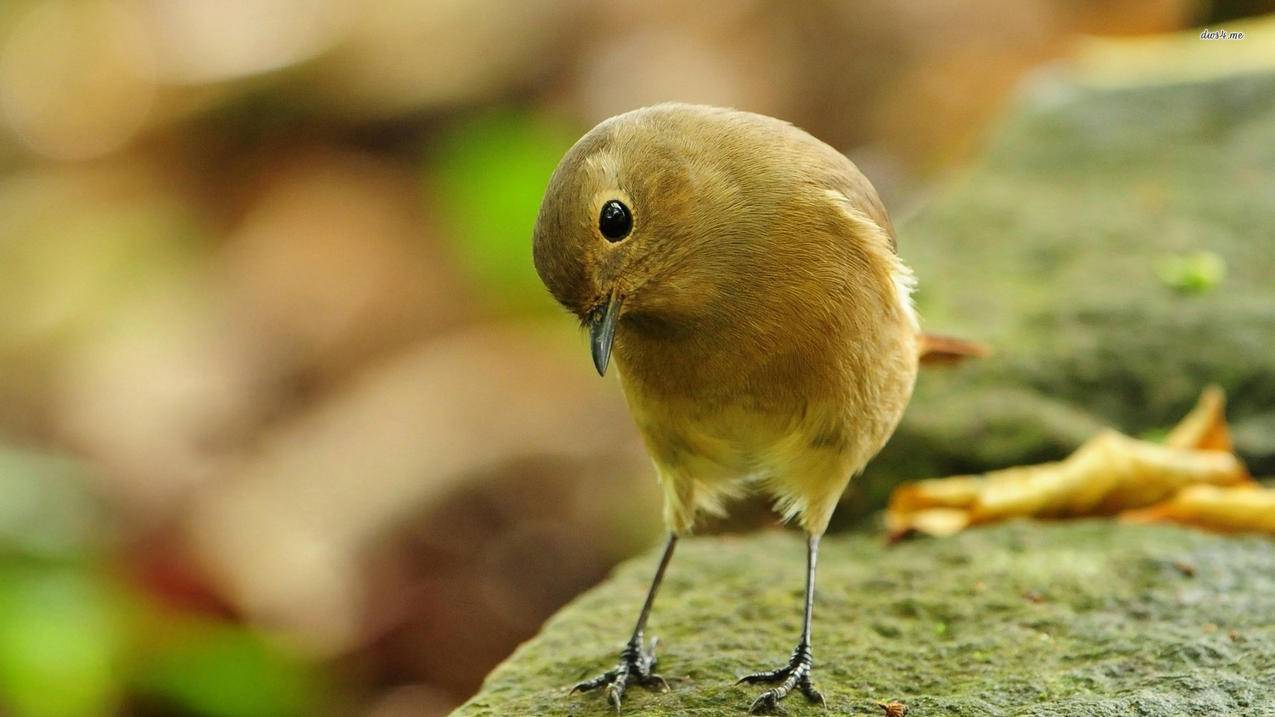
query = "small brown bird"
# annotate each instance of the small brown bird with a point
(745, 274)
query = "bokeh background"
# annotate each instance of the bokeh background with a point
(288, 425)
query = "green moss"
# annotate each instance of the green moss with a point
(1081, 618)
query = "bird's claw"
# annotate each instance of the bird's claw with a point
(635, 668)
(795, 674)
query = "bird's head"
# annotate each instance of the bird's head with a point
(624, 232)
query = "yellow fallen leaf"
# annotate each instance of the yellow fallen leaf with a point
(1205, 426)
(955, 492)
(1234, 509)
(1110, 473)
(939, 522)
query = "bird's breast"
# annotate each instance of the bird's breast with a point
(727, 440)
(726, 410)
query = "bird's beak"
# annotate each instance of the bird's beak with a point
(602, 332)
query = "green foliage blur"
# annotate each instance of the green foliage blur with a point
(75, 637)
(491, 170)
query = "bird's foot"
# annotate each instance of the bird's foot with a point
(635, 668)
(795, 674)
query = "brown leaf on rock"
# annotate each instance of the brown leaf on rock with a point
(1246, 508)
(893, 708)
(1205, 426)
(1108, 474)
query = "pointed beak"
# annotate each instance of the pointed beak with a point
(602, 332)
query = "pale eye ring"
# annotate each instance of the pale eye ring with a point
(615, 221)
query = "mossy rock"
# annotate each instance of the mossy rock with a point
(1116, 248)
(1078, 619)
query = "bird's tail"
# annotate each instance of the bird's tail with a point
(939, 350)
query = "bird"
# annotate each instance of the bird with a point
(743, 277)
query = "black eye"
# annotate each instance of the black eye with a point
(615, 221)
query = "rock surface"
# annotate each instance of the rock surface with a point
(1078, 619)
(1115, 246)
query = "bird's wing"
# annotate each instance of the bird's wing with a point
(861, 195)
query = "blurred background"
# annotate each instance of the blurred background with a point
(288, 425)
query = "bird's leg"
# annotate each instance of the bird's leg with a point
(637, 661)
(797, 672)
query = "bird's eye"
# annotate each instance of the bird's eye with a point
(615, 222)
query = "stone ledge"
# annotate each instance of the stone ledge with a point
(1084, 618)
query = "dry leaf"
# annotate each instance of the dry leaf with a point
(938, 350)
(1235, 509)
(1108, 474)
(1205, 426)
(893, 708)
